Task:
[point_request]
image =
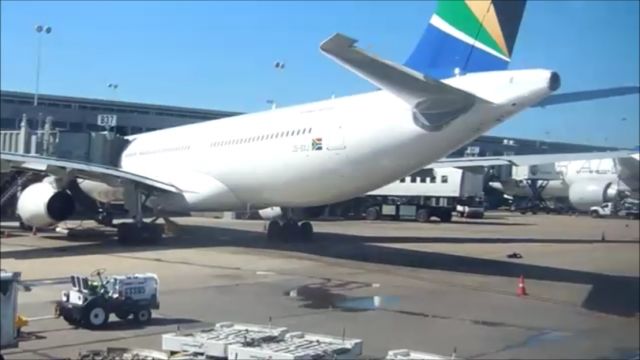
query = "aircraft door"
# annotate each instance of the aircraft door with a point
(335, 137)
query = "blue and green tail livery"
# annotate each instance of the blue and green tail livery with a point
(466, 36)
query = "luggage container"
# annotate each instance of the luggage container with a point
(214, 342)
(299, 345)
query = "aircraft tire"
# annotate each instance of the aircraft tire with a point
(274, 231)
(306, 231)
(290, 230)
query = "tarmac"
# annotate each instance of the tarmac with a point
(428, 287)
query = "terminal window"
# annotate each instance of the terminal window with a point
(63, 125)
(136, 130)
(76, 126)
(122, 130)
(8, 123)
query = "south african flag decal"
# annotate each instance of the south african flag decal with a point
(316, 144)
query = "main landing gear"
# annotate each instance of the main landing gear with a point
(289, 230)
(138, 232)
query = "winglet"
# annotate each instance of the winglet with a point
(434, 103)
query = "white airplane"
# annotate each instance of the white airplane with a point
(289, 161)
(584, 183)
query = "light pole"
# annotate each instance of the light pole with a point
(279, 66)
(115, 88)
(39, 30)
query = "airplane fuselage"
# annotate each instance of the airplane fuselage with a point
(317, 153)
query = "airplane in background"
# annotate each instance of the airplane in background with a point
(583, 183)
(454, 87)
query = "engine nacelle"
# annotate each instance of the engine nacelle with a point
(585, 194)
(42, 205)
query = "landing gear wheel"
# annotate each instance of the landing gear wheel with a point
(142, 316)
(274, 231)
(290, 230)
(372, 214)
(306, 231)
(95, 315)
(423, 215)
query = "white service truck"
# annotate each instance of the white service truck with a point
(425, 194)
(90, 302)
(624, 208)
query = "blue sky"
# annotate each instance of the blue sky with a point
(220, 55)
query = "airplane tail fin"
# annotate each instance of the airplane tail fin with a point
(468, 36)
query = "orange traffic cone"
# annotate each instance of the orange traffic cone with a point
(522, 290)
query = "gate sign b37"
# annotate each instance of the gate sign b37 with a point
(107, 120)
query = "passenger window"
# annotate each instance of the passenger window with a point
(444, 179)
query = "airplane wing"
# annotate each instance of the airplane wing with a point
(564, 98)
(434, 102)
(522, 160)
(62, 167)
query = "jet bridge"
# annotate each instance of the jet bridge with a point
(103, 148)
(535, 179)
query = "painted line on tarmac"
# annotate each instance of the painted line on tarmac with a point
(265, 273)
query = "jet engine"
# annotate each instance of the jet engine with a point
(42, 205)
(585, 194)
